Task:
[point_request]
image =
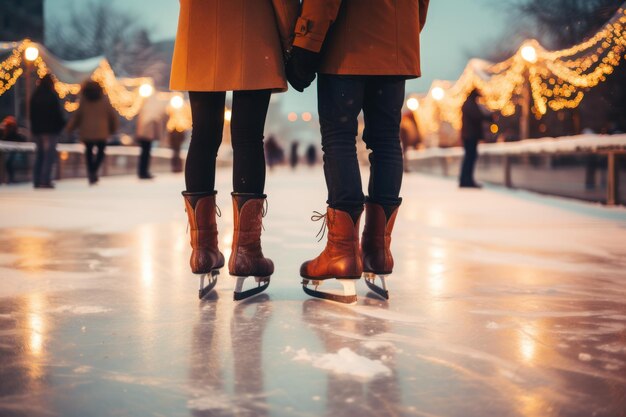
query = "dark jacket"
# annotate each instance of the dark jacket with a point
(473, 119)
(46, 115)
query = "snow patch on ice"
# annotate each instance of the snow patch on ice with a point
(345, 362)
(492, 325)
(585, 357)
(81, 310)
(386, 315)
(209, 399)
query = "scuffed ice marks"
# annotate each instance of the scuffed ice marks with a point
(343, 362)
(80, 310)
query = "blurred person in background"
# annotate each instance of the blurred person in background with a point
(223, 46)
(311, 155)
(473, 117)
(96, 121)
(178, 122)
(47, 122)
(147, 132)
(293, 155)
(11, 133)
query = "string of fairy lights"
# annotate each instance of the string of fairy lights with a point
(556, 79)
(126, 94)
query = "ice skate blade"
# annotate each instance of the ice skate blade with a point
(370, 280)
(239, 294)
(347, 297)
(209, 287)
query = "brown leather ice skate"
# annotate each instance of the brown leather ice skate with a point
(206, 259)
(246, 258)
(376, 246)
(340, 259)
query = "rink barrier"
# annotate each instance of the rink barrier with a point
(120, 160)
(585, 167)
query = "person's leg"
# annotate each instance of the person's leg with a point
(469, 146)
(141, 171)
(89, 160)
(247, 125)
(382, 108)
(100, 155)
(340, 99)
(207, 113)
(382, 111)
(50, 154)
(472, 160)
(39, 159)
(9, 166)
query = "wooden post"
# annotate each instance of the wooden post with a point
(507, 172)
(524, 121)
(612, 179)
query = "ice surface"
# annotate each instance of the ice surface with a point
(501, 305)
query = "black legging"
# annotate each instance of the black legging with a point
(246, 126)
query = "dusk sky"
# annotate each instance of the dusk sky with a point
(455, 30)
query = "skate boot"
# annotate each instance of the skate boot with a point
(340, 260)
(206, 259)
(246, 259)
(375, 246)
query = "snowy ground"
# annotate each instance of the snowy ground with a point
(502, 304)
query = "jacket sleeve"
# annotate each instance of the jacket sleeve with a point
(114, 122)
(314, 22)
(423, 12)
(286, 12)
(58, 114)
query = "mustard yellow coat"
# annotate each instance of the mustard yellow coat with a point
(224, 45)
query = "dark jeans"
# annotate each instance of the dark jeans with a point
(144, 157)
(94, 161)
(246, 128)
(469, 161)
(340, 100)
(45, 157)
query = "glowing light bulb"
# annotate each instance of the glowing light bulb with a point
(306, 116)
(413, 104)
(31, 53)
(228, 114)
(438, 93)
(146, 90)
(529, 53)
(177, 102)
(292, 117)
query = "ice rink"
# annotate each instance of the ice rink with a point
(502, 304)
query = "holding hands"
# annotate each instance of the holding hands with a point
(301, 68)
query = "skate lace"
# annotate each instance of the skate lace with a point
(316, 217)
(264, 213)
